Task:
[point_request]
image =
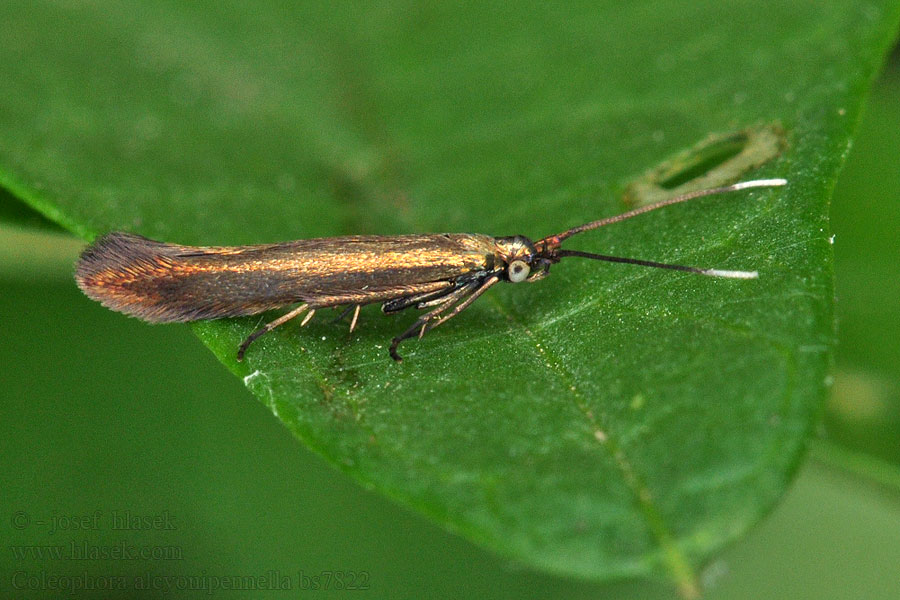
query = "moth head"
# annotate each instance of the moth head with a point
(519, 259)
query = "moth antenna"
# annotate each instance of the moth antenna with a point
(659, 265)
(553, 241)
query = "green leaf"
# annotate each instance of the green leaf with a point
(21, 216)
(608, 421)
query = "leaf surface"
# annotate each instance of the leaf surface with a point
(608, 421)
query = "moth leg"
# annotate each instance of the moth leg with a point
(429, 302)
(355, 309)
(432, 319)
(467, 302)
(418, 328)
(355, 318)
(419, 300)
(343, 314)
(270, 326)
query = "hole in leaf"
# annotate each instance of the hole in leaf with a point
(720, 159)
(706, 159)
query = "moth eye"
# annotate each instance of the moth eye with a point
(518, 270)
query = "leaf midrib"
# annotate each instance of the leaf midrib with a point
(675, 560)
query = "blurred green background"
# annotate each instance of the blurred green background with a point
(864, 410)
(94, 420)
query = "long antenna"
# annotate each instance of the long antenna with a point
(659, 265)
(554, 240)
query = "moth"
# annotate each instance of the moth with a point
(440, 273)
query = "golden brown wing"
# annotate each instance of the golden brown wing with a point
(162, 282)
